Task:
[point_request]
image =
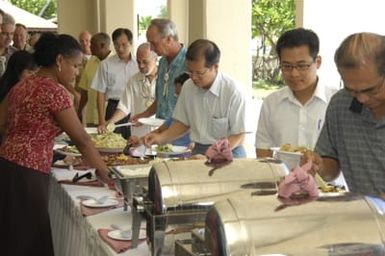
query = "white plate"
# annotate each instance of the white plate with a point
(176, 150)
(151, 121)
(93, 204)
(141, 151)
(331, 194)
(116, 234)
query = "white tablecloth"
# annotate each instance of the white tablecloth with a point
(74, 234)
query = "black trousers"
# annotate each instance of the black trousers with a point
(125, 131)
(24, 218)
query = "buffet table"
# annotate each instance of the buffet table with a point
(74, 234)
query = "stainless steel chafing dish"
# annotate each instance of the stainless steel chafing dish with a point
(335, 226)
(130, 179)
(181, 192)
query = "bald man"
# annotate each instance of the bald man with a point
(139, 93)
(85, 43)
(101, 49)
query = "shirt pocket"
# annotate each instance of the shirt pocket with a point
(111, 79)
(219, 127)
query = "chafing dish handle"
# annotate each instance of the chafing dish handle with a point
(136, 210)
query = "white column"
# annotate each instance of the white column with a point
(178, 11)
(228, 24)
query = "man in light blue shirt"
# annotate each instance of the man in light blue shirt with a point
(163, 37)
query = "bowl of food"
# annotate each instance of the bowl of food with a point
(290, 155)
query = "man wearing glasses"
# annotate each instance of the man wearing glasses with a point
(295, 113)
(211, 104)
(353, 137)
(112, 77)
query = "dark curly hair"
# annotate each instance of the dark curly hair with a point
(51, 45)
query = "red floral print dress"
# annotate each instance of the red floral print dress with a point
(31, 125)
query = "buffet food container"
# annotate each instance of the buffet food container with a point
(130, 179)
(250, 225)
(181, 192)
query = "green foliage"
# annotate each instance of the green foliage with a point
(270, 18)
(144, 22)
(35, 6)
(163, 12)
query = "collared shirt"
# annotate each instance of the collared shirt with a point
(4, 58)
(137, 96)
(283, 119)
(165, 87)
(215, 113)
(85, 81)
(353, 137)
(113, 75)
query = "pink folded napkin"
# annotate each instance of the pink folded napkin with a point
(299, 183)
(219, 152)
(89, 211)
(117, 245)
(93, 183)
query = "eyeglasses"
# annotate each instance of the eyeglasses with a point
(371, 91)
(197, 73)
(301, 67)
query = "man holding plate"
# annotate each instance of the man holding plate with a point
(139, 93)
(211, 104)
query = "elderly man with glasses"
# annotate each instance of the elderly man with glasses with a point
(295, 113)
(353, 136)
(212, 105)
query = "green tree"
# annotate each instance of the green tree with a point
(144, 22)
(44, 8)
(270, 18)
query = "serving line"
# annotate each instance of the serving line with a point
(74, 234)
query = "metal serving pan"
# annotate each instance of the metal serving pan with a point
(334, 226)
(181, 192)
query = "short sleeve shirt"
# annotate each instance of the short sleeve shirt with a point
(283, 119)
(137, 96)
(215, 113)
(165, 88)
(357, 140)
(32, 107)
(112, 76)
(87, 75)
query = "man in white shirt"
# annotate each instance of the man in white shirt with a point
(294, 114)
(113, 75)
(139, 93)
(211, 104)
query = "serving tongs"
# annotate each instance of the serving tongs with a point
(78, 177)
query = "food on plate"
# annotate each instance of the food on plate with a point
(164, 148)
(121, 159)
(291, 148)
(331, 189)
(108, 140)
(69, 149)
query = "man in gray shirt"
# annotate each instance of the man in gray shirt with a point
(353, 136)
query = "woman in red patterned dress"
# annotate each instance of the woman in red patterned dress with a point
(35, 111)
